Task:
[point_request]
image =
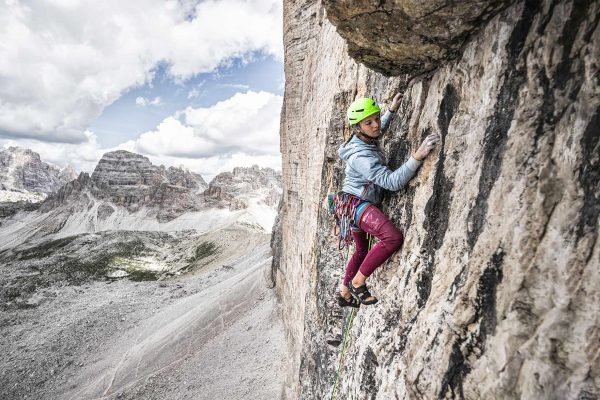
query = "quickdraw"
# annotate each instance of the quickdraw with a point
(343, 208)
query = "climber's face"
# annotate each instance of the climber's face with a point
(371, 126)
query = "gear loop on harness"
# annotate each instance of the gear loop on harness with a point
(343, 208)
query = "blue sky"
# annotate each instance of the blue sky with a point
(123, 119)
(178, 81)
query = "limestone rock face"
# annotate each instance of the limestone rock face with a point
(123, 168)
(185, 178)
(495, 292)
(67, 174)
(235, 189)
(408, 36)
(130, 180)
(23, 170)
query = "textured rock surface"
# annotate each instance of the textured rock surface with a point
(408, 36)
(123, 168)
(130, 180)
(23, 170)
(127, 192)
(495, 292)
(234, 189)
(185, 178)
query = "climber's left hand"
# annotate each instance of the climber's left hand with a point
(426, 147)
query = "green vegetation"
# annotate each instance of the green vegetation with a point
(137, 269)
(100, 263)
(253, 226)
(45, 249)
(74, 262)
(205, 249)
(139, 275)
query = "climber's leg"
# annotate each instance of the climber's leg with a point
(362, 247)
(376, 223)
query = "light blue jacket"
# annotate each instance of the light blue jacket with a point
(366, 173)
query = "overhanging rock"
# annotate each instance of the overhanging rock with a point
(408, 36)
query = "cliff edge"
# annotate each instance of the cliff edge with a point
(495, 292)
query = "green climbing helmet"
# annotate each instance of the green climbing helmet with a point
(361, 109)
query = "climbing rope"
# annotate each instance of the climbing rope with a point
(347, 327)
(346, 335)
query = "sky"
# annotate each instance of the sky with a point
(197, 84)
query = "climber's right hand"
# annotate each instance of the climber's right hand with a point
(426, 147)
(396, 102)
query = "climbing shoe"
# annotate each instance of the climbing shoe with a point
(362, 294)
(351, 302)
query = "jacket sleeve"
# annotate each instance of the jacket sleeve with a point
(386, 120)
(381, 175)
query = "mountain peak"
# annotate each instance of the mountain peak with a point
(124, 168)
(236, 189)
(23, 170)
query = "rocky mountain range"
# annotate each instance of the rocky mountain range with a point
(126, 191)
(138, 251)
(123, 168)
(236, 189)
(130, 216)
(23, 171)
(26, 180)
(130, 181)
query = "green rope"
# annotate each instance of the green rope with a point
(347, 334)
(347, 327)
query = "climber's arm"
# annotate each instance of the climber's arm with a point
(386, 120)
(389, 115)
(373, 170)
(381, 175)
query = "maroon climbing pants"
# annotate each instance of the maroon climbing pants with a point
(375, 222)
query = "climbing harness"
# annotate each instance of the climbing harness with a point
(342, 206)
(347, 326)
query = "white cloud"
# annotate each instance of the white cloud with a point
(240, 131)
(63, 62)
(246, 122)
(82, 156)
(193, 93)
(239, 86)
(143, 102)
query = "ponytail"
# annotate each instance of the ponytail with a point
(354, 129)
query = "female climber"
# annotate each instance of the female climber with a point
(366, 176)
